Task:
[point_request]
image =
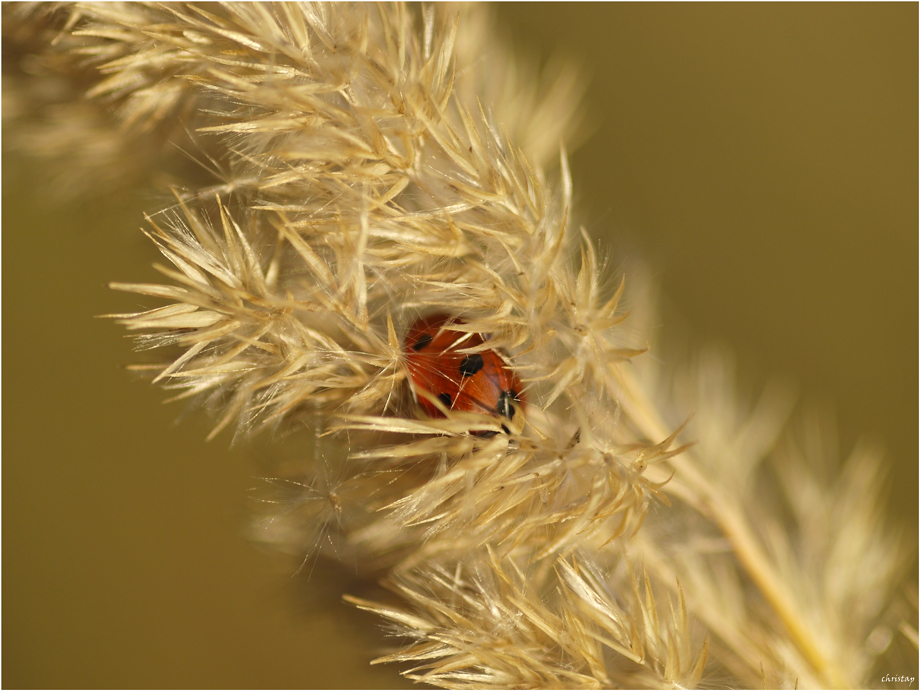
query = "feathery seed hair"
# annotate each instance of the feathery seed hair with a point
(361, 167)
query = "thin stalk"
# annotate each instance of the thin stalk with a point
(745, 545)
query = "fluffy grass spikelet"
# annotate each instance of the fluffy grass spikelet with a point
(356, 167)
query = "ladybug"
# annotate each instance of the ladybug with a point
(475, 382)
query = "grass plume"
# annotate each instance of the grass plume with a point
(359, 166)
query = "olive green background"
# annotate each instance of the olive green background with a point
(762, 157)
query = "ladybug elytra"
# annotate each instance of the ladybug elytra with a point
(475, 382)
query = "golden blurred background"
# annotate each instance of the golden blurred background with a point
(761, 157)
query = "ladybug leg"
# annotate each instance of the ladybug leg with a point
(506, 401)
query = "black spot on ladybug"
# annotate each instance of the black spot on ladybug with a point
(422, 342)
(445, 399)
(505, 406)
(471, 364)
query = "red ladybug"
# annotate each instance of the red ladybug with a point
(475, 382)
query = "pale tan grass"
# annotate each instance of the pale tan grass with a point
(359, 167)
